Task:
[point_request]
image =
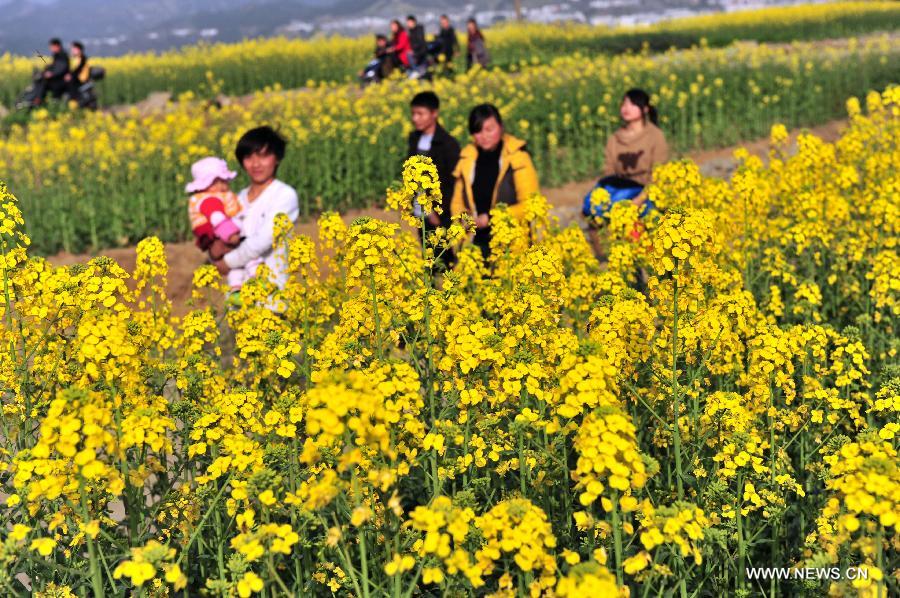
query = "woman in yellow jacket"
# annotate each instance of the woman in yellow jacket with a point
(494, 169)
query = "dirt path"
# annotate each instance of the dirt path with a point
(184, 258)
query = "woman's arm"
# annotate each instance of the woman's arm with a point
(525, 178)
(609, 160)
(457, 204)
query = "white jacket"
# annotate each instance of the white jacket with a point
(256, 221)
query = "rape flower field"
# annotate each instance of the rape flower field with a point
(532, 426)
(245, 67)
(88, 181)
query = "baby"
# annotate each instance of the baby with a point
(214, 211)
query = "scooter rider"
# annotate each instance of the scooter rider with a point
(53, 78)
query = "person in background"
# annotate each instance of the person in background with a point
(79, 69)
(448, 40)
(53, 77)
(381, 65)
(476, 50)
(259, 152)
(399, 47)
(494, 168)
(418, 47)
(631, 154)
(429, 138)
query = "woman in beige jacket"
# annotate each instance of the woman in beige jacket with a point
(631, 154)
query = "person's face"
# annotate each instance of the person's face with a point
(410, 23)
(260, 166)
(219, 186)
(470, 26)
(381, 43)
(395, 27)
(76, 51)
(423, 118)
(629, 111)
(54, 48)
(490, 134)
(445, 23)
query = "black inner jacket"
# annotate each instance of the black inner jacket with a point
(487, 169)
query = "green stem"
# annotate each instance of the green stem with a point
(96, 574)
(617, 537)
(740, 534)
(199, 528)
(879, 559)
(378, 350)
(364, 566)
(676, 395)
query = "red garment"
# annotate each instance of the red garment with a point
(402, 47)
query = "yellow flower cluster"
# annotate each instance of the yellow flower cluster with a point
(147, 562)
(682, 525)
(681, 238)
(865, 481)
(607, 452)
(517, 528)
(420, 186)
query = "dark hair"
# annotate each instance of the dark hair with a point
(55, 41)
(477, 29)
(258, 140)
(411, 18)
(78, 45)
(641, 99)
(444, 16)
(380, 38)
(398, 24)
(481, 113)
(426, 99)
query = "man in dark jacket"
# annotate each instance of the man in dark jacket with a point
(448, 39)
(53, 78)
(431, 139)
(418, 45)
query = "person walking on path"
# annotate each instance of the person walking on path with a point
(476, 50)
(495, 168)
(448, 40)
(418, 47)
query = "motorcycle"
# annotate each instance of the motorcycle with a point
(84, 95)
(373, 71)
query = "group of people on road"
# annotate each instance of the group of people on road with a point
(65, 72)
(408, 49)
(494, 168)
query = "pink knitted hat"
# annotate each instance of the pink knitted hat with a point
(206, 171)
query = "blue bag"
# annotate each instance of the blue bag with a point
(616, 194)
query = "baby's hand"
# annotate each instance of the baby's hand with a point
(234, 240)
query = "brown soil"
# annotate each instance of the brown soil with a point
(184, 258)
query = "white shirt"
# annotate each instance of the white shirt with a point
(425, 142)
(257, 221)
